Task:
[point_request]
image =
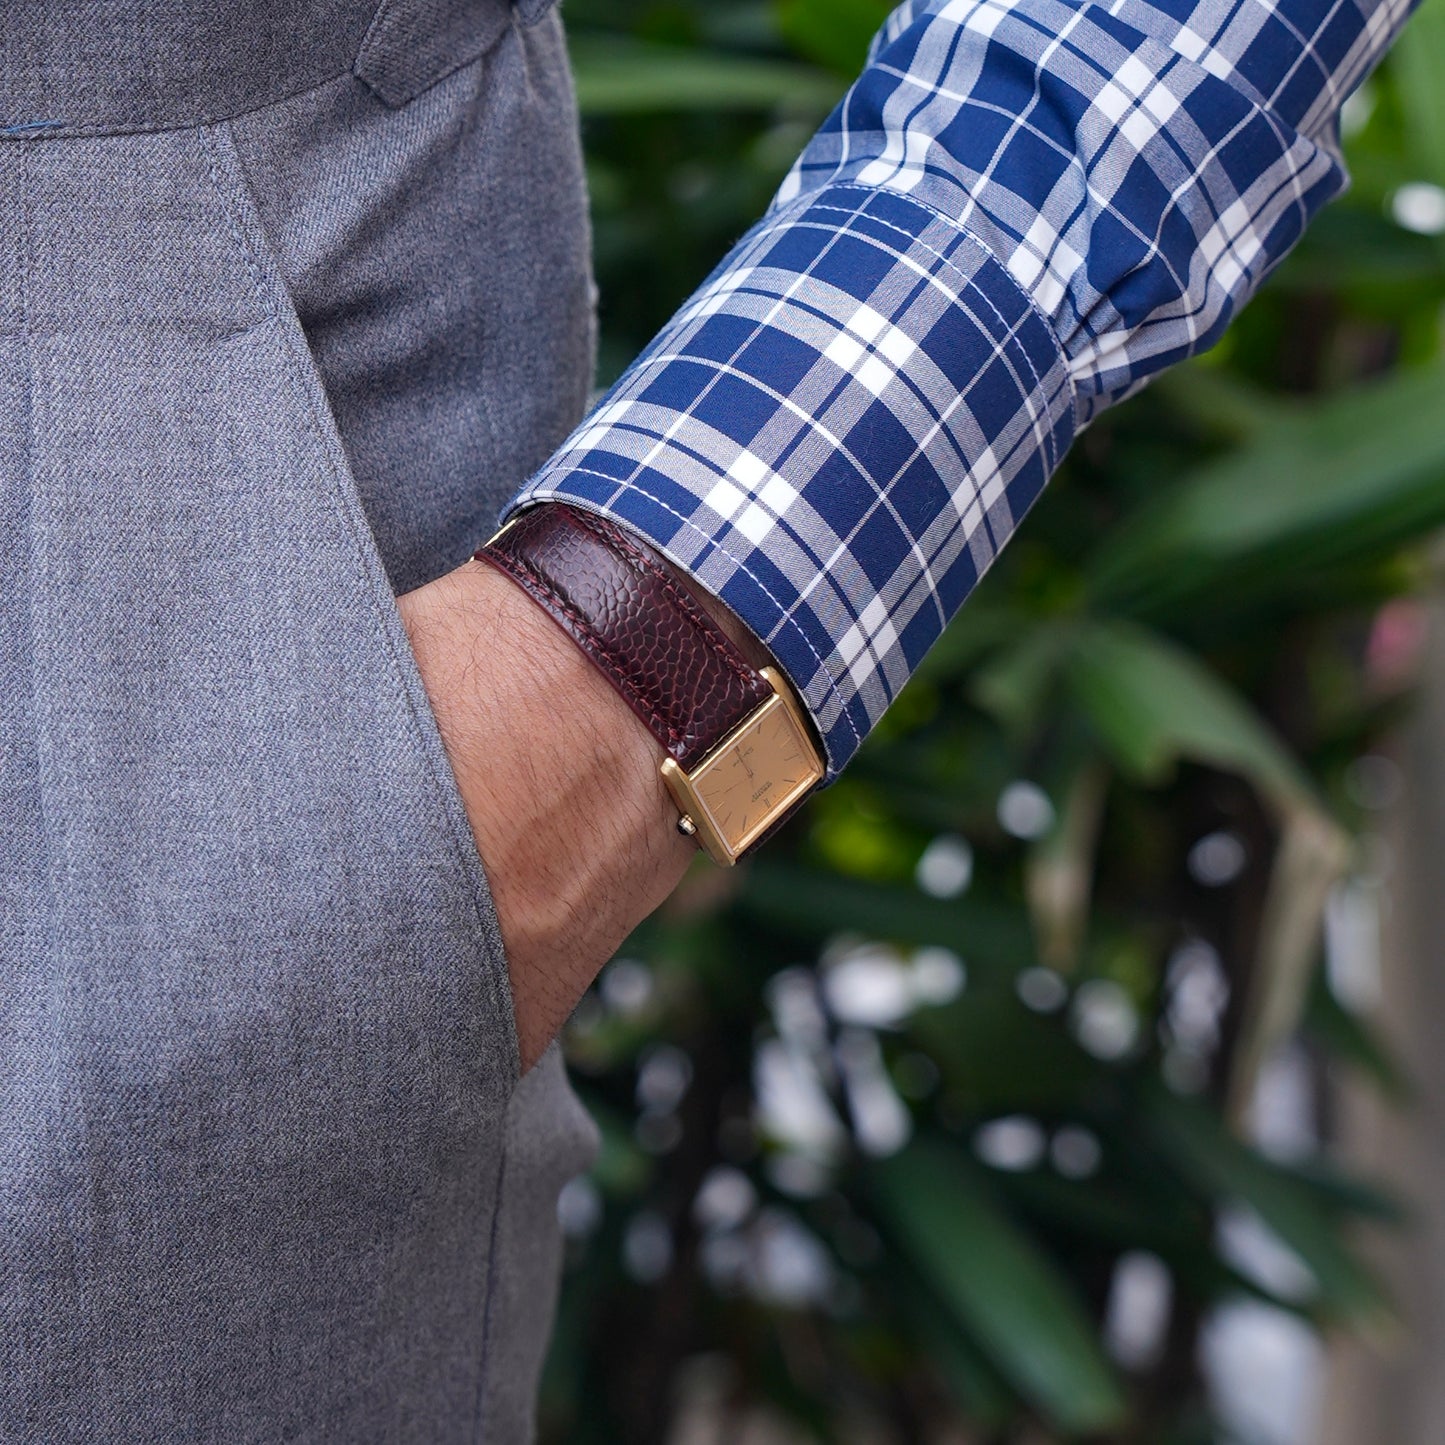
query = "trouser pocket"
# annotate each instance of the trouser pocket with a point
(261, 1040)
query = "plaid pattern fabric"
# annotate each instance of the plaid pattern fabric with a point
(1017, 214)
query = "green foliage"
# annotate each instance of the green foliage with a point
(1289, 1203)
(1003, 1293)
(834, 33)
(1420, 73)
(1351, 479)
(884, 1110)
(1155, 705)
(617, 75)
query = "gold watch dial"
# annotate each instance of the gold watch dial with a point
(749, 780)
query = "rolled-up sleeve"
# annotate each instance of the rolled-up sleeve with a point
(1016, 216)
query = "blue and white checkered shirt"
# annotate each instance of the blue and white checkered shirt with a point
(1020, 211)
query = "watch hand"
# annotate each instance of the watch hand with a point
(738, 750)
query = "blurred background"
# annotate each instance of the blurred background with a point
(1068, 1072)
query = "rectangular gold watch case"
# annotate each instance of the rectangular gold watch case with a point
(752, 779)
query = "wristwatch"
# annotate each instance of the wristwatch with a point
(741, 754)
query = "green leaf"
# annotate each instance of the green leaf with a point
(999, 1057)
(983, 1396)
(1418, 65)
(1007, 1296)
(811, 902)
(1349, 1194)
(1153, 704)
(1014, 686)
(1345, 479)
(1216, 400)
(835, 33)
(1349, 246)
(617, 75)
(1096, 1210)
(1202, 1149)
(973, 633)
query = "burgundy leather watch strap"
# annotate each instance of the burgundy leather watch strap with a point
(677, 670)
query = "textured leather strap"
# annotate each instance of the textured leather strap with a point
(677, 670)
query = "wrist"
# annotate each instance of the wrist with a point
(517, 702)
(738, 754)
(560, 783)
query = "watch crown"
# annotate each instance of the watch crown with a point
(686, 826)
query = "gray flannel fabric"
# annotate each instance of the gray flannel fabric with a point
(289, 303)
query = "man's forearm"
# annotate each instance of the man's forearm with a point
(574, 826)
(1017, 214)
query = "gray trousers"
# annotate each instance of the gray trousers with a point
(293, 293)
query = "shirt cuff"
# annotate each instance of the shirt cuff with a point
(835, 436)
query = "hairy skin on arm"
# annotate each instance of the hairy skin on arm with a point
(576, 830)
